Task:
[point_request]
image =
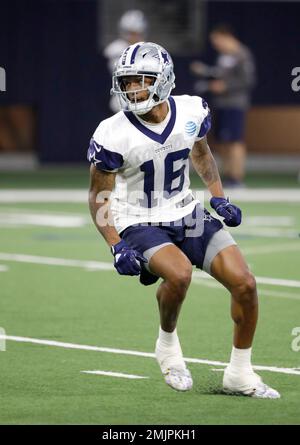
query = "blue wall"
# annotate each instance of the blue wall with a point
(271, 30)
(49, 51)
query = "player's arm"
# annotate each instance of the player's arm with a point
(206, 167)
(101, 185)
(126, 260)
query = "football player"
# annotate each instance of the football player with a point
(142, 205)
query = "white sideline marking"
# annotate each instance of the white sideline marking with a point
(261, 292)
(274, 293)
(50, 261)
(115, 374)
(264, 195)
(59, 344)
(284, 247)
(10, 219)
(278, 221)
(97, 265)
(263, 232)
(43, 195)
(3, 268)
(259, 280)
(203, 281)
(278, 282)
(81, 195)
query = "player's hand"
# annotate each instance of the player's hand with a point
(232, 214)
(127, 260)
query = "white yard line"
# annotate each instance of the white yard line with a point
(28, 209)
(291, 371)
(261, 291)
(278, 282)
(274, 293)
(268, 221)
(291, 195)
(3, 268)
(260, 280)
(13, 219)
(44, 195)
(50, 261)
(115, 374)
(283, 247)
(208, 283)
(97, 265)
(263, 232)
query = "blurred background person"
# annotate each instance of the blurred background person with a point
(230, 82)
(132, 29)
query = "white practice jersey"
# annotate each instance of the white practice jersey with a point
(112, 52)
(151, 161)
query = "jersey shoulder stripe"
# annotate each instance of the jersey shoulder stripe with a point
(107, 146)
(104, 159)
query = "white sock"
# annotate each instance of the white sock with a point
(169, 352)
(240, 360)
(168, 339)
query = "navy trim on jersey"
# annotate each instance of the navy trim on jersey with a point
(205, 126)
(161, 138)
(102, 158)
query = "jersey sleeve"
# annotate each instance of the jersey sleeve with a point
(204, 119)
(101, 152)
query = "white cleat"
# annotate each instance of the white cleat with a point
(250, 385)
(173, 367)
(179, 379)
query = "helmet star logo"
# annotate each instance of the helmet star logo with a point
(165, 57)
(207, 218)
(97, 147)
(92, 158)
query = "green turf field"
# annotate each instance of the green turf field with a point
(76, 303)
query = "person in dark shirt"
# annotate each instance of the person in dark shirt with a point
(230, 81)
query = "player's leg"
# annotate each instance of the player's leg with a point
(225, 167)
(230, 132)
(175, 269)
(165, 260)
(230, 269)
(234, 162)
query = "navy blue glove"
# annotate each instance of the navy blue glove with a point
(126, 259)
(232, 214)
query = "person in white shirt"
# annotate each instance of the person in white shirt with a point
(132, 28)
